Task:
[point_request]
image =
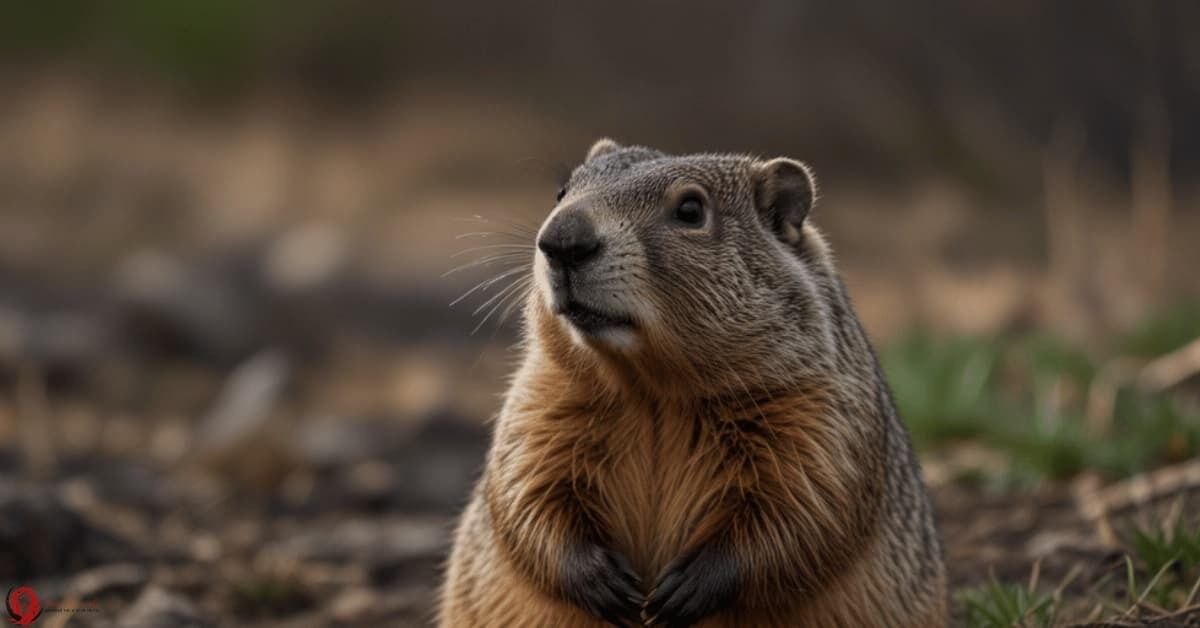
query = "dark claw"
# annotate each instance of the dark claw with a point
(693, 587)
(603, 583)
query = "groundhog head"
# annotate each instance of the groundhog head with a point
(699, 265)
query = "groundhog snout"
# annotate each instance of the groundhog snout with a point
(569, 240)
(583, 283)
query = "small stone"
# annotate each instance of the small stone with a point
(304, 258)
(205, 548)
(354, 606)
(372, 479)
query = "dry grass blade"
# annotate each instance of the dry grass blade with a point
(1171, 369)
(33, 421)
(1191, 598)
(1130, 586)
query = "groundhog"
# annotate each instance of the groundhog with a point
(699, 432)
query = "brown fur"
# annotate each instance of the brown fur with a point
(791, 460)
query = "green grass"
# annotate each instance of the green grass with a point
(1004, 605)
(267, 595)
(1172, 555)
(1158, 547)
(1161, 575)
(1027, 397)
(945, 388)
(1164, 331)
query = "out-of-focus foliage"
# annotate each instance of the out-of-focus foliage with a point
(1160, 575)
(1029, 397)
(1001, 605)
(965, 89)
(1166, 330)
(945, 388)
(1158, 547)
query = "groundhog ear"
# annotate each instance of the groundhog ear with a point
(603, 146)
(784, 192)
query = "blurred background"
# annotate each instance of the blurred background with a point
(232, 389)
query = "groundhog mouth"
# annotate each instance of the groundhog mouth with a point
(590, 320)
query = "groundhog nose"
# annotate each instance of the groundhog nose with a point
(569, 240)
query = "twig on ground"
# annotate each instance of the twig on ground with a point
(1097, 504)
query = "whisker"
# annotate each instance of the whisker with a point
(488, 282)
(487, 247)
(515, 299)
(487, 261)
(498, 295)
(508, 223)
(493, 310)
(488, 234)
(523, 292)
(522, 287)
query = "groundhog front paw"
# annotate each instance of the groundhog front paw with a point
(603, 583)
(692, 588)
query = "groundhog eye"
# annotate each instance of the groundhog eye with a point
(690, 212)
(561, 193)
